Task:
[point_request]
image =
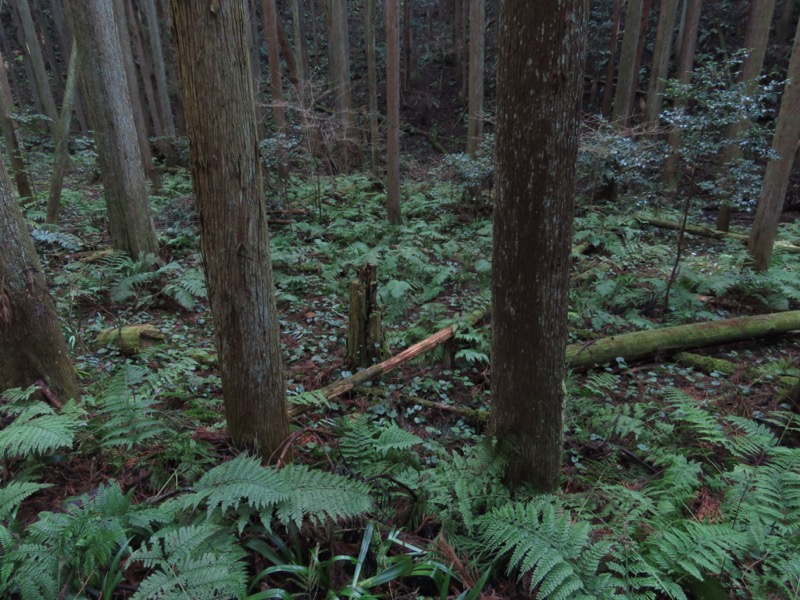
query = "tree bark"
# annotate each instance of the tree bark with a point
(301, 53)
(372, 85)
(133, 87)
(776, 179)
(159, 68)
(784, 27)
(108, 99)
(213, 58)
(477, 45)
(340, 79)
(408, 44)
(13, 146)
(623, 94)
(537, 145)
(661, 54)
(34, 52)
(274, 58)
(393, 111)
(32, 346)
(685, 65)
(151, 104)
(61, 154)
(612, 58)
(755, 41)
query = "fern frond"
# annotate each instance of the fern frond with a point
(14, 494)
(197, 561)
(534, 539)
(320, 495)
(37, 429)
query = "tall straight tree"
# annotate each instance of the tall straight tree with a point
(537, 145)
(32, 346)
(616, 11)
(477, 45)
(108, 99)
(35, 53)
(661, 53)
(211, 39)
(393, 111)
(159, 65)
(13, 146)
(776, 179)
(372, 85)
(626, 78)
(339, 52)
(756, 39)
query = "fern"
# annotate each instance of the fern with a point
(126, 416)
(196, 561)
(320, 496)
(370, 450)
(534, 539)
(38, 429)
(14, 494)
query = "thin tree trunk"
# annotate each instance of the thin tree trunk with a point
(460, 37)
(537, 146)
(612, 58)
(274, 59)
(477, 44)
(627, 63)
(159, 69)
(340, 79)
(685, 65)
(34, 53)
(776, 179)
(150, 104)
(372, 86)
(120, 160)
(393, 111)
(644, 28)
(213, 57)
(137, 110)
(32, 346)
(755, 41)
(13, 146)
(408, 44)
(661, 54)
(288, 54)
(61, 155)
(301, 53)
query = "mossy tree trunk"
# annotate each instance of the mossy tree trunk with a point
(537, 145)
(211, 39)
(32, 346)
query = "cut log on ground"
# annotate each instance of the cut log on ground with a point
(640, 344)
(711, 233)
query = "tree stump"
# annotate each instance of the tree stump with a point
(365, 331)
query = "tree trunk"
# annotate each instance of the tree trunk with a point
(408, 44)
(372, 85)
(65, 46)
(34, 52)
(108, 99)
(685, 65)
(274, 58)
(755, 41)
(13, 147)
(612, 58)
(661, 54)
(340, 79)
(137, 111)
(460, 37)
(393, 111)
(784, 27)
(145, 71)
(61, 154)
(32, 346)
(537, 145)
(159, 69)
(776, 179)
(477, 44)
(213, 58)
(301, 54)
(623, 94)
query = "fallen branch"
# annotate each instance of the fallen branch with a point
(711, 233)
(348, 383)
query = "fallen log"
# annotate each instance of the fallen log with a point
(640, 344)
(711, 233)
